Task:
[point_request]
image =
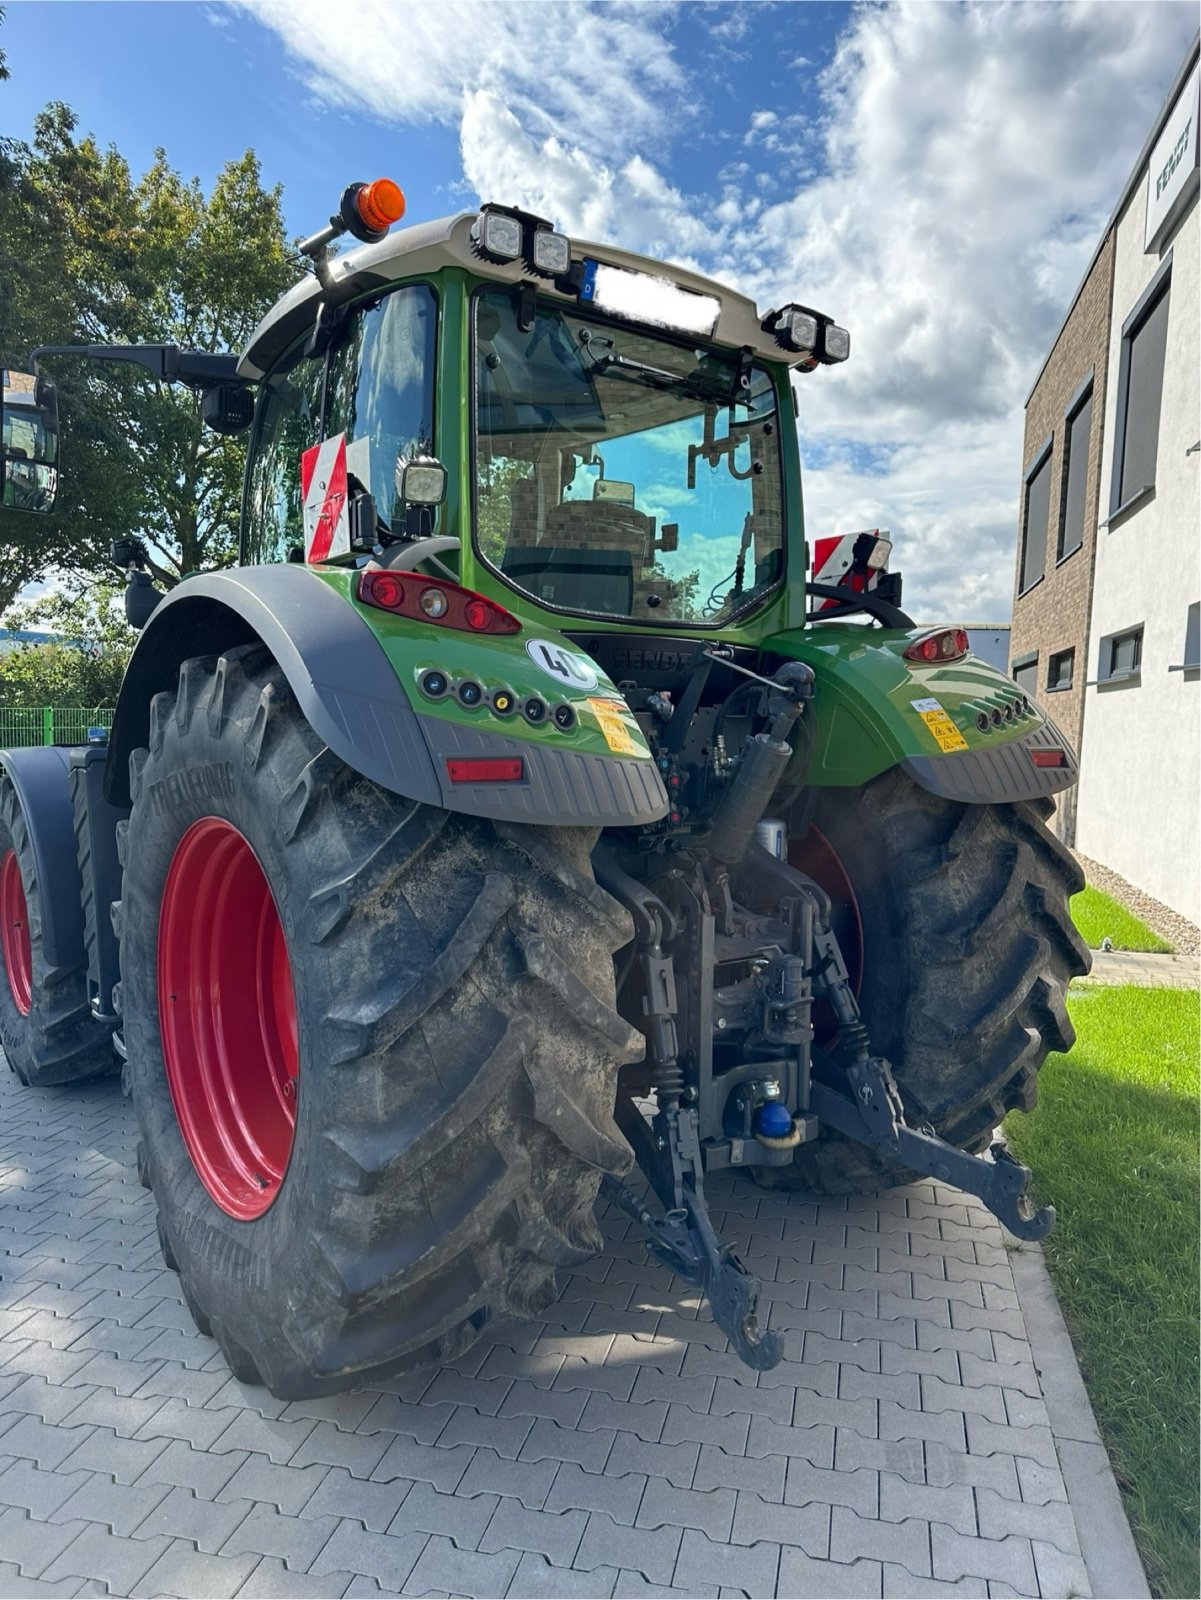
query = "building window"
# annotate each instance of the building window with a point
(1075, 470)
(1192, 642)
(1059, 670)
(1121, 656)
(1025, 673)
(1140, 388)
(1036, 514)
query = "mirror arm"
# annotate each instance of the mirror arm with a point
(167, 362)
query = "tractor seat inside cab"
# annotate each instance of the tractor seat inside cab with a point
(590, 557)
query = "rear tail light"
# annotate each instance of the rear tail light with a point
(1049, 758)
(485, 769)
(434, 600)
(943, 644)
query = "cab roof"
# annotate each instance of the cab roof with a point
(427, 247)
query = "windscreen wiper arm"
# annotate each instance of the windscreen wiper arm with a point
(610, 363)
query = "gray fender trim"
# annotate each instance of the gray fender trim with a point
(39, 775)
(342, 680)
(349, 693)
(1005, 772)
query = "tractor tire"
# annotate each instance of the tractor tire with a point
(967, 949)
(373, 1045)
(46, 1024)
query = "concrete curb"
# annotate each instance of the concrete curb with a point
(1111, 1558)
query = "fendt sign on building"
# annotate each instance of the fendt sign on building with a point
(1172, 170)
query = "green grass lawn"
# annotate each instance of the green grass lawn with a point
(1114, 1145)
(1097, 915)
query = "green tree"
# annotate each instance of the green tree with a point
(94, 255)
(86, 664)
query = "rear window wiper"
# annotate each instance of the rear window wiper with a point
(610, 364)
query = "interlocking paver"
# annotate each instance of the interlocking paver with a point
(555, 1535)
(806, 1526)
(576, 1490)
(272, 1579)
(547, 1441)
(14, 1587)
(37, 1492)
(536, 1579)
(121, 1507)
(853, 1536)
(806, 1484)
(263, 1531)
(285, 1488)
(47, 1444)
(462, 1518)
(442, 1565)
(650, 1551)
(702, 1560)
(34, 1397)
(527, 1481)
(184, 1571)
(441, 1466)
(717, 1470)
(388, 1560)
(96, 1552)
(675, 1462)
(663, 1505)
(900, 1584)
(34, 1546)
(208, 1524)
(332, 1446)
(616, 1446)
(683, 1425)
(1009, 1560)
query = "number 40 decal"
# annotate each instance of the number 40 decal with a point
(568, 667)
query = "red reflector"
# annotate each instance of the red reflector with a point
(1049, 758)
(486, 769)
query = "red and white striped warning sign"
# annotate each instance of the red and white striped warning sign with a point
(323, 493)
(832, 561)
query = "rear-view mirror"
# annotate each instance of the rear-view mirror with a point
(28, 441)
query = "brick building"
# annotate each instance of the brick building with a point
(1057, 532)
(1105, 620)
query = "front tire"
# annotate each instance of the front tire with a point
(456, 1044)
(967, 951)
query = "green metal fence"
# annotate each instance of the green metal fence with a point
(21, 725)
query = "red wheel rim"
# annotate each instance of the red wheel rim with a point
(227, 1015)
(14, 933)
(815, 856)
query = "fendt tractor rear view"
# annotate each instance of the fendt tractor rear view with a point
(523, 808)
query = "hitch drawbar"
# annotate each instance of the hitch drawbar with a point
(853, 1092)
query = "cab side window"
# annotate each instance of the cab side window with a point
(288, 423)
(381, 391)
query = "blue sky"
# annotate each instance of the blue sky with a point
(934, 175)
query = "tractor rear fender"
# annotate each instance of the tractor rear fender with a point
(344, 669)
(961, 729)
(40, 777)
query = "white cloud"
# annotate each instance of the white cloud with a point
(967, 160)
(604, 71)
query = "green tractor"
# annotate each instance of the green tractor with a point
(522, 809)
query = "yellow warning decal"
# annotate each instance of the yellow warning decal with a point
(946, 735)
(612, 725)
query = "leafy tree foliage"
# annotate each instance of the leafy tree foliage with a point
(85, 666)
(91, 254)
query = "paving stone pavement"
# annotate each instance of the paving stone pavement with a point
(615, 1447)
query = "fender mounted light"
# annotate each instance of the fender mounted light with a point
(938, 646)
(424, 599)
